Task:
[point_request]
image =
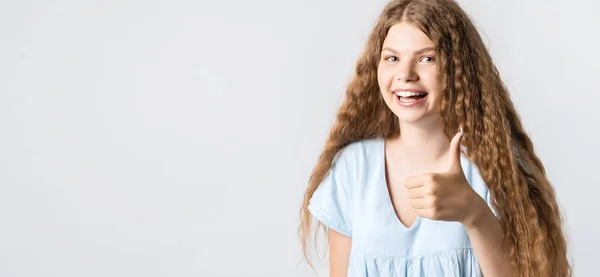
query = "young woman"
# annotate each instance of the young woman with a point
(428, 170)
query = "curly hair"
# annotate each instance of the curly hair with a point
(473, 95)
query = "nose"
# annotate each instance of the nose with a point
(406, 72)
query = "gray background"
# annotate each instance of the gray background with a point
(155, 138)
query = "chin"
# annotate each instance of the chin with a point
(415, 118)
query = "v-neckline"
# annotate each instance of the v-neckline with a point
(388, 195)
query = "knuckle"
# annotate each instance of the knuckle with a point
(431, 190)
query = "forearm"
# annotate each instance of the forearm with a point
(486, 237)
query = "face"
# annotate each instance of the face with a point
(407, 74)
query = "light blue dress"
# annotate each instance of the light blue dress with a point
(354, 200)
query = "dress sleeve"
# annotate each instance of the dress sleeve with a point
(488, 200)
(331, 201)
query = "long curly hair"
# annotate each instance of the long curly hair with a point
(473, 95)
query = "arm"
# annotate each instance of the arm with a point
(339, 254)
(449, 196)
(486, 237)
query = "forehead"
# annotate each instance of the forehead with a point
(406, 37)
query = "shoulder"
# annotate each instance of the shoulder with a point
(472, 174)
(360, 150)
(333, 202)
(358, 162)
(475, 179)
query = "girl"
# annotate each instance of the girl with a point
(401, 191)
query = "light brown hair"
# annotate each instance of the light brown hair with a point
(472, 94)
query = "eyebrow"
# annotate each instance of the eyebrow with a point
(416, 52)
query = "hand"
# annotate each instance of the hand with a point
(445, 196)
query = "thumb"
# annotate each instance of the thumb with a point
(454, 164)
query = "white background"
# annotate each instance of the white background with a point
(176, 138)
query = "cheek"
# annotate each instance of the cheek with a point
(430, 80)
(384, 78)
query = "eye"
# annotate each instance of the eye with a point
(431, 59)
(388, 58)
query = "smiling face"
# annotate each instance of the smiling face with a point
(407, 74)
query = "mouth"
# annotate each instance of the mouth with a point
(406, 96)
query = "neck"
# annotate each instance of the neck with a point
(422, 145)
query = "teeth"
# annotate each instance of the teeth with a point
(408, 93)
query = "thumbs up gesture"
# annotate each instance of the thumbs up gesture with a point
(447, 195)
